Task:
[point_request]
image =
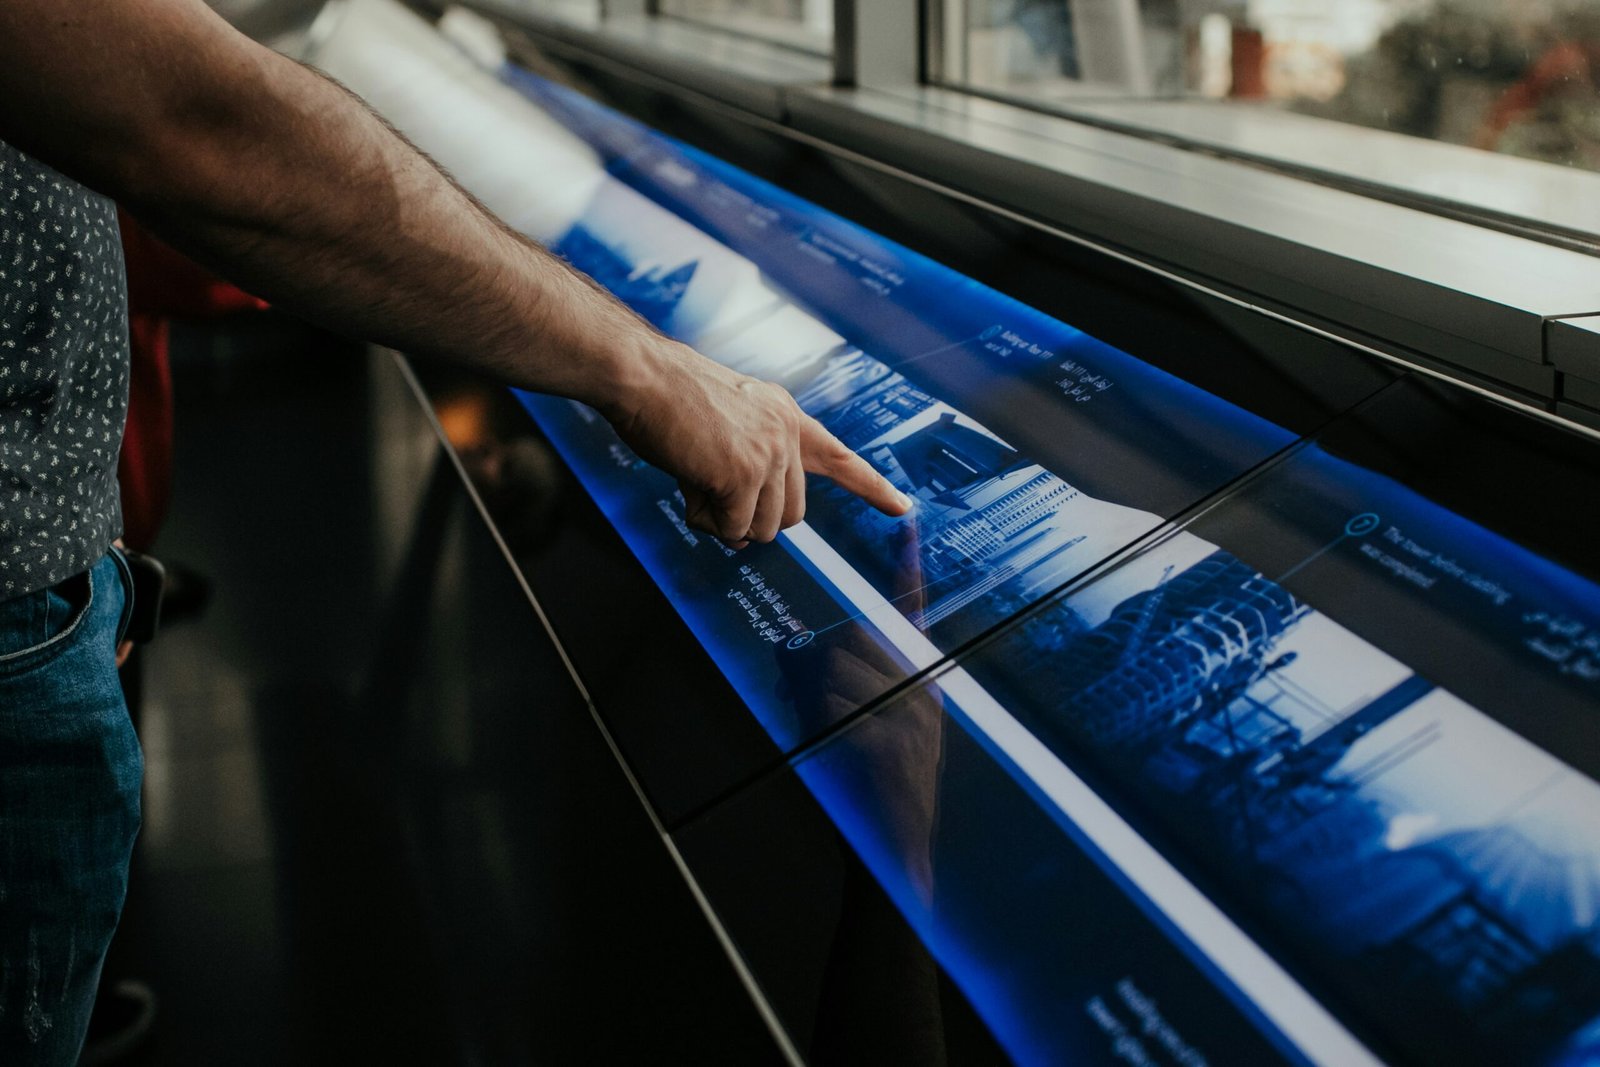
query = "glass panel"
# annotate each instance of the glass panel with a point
(1039, 939)
(1313, 779)
(1032, 450)
(584, 10)
(742, 269)
(1017, 409)
(1053, 48)
(1516, 77)
(1360, 721)
(845, 973)
(804, 24)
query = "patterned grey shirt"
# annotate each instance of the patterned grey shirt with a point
(63, 374)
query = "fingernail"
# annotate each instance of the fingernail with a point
(905, 501)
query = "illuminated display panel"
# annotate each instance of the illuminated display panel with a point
(1154, 744)
(1362, 723)
(1032, 450)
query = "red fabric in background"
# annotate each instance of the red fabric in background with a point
(144, 469)
(163, 284)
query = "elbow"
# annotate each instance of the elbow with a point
(171, 168)
(192, 155)
(165, 173)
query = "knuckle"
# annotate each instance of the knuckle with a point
(780, 405)
(836, 451)
(736, 475)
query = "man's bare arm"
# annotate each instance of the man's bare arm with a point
(283, 182)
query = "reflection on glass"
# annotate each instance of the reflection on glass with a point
(1514, 76)
(588, 9)
(996, 529)
(804, 24)
(1049, 47)
(1389, 837)
(881, 346)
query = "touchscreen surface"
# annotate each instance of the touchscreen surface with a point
(1032, 450)
(1337, 741)
(1322, 758)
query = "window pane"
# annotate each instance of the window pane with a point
(804, 24)
(1520, 77)
(583, 11)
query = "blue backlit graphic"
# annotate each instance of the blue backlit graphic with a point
(1391, 839)
(872, 339)
(1262, 790)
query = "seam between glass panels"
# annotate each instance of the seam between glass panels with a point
(742, 970)
(965, 649)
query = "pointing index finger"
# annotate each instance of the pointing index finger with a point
(825, 454)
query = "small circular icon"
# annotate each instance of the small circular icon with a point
(801, 640)
(1362, 524)
(990, 334)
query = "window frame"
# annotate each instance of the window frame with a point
(1440, 291)
(1116, 108)
(785, 34)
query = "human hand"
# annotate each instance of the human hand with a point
(739, 447)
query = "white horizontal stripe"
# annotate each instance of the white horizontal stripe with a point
(1296, 1013)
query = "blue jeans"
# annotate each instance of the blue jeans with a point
(70, 769)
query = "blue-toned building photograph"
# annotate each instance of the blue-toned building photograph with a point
(1387, 836)
(995, 531)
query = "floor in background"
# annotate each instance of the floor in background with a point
(380, 828)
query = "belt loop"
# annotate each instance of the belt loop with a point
(125, 576)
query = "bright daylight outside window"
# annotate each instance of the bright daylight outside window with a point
(578, 9)
(1515, 77)
(803, 24)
